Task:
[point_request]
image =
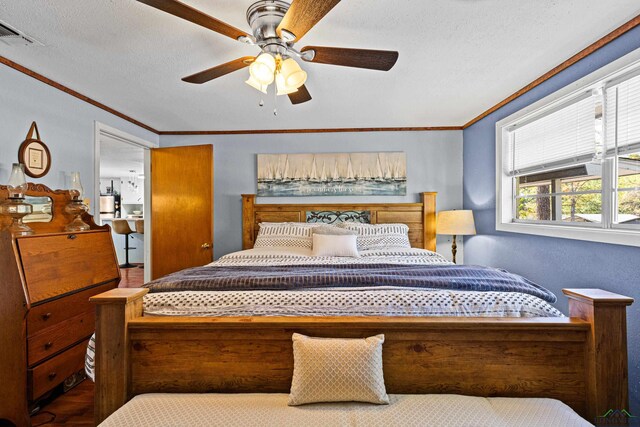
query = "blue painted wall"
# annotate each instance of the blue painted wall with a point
(66, 125)
(552, 262)
(434, 163)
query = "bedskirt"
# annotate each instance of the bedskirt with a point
(253, 410)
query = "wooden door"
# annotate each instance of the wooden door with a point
(181, 208)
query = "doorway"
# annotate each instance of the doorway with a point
(122, 193)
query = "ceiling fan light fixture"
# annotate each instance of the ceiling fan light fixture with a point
(256, 84)
(282, 87)
(263, 68)
(293, 75)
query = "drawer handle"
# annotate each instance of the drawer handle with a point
(46, 316)
(48, 345)
(52, 375)
(71, 236)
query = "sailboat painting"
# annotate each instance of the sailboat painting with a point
(332, 174)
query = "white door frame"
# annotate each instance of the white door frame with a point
(100, 129)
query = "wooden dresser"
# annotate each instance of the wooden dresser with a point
(46, 280)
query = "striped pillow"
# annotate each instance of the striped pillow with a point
(286, 234)
(379, 236)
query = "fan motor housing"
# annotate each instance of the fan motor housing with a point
(264, 16)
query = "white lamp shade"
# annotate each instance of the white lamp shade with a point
(282, 87)
(263, 68)
(459, 223)
(294, 76)
(256, 84)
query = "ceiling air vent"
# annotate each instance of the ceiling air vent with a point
(12, 37)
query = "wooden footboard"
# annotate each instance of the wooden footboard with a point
(580, 360)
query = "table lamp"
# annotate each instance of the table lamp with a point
(455, 223)
(76, 207)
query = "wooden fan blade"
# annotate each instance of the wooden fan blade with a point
(382, 60)
(220, 70)
(303, 15)
(302, 95)
(184, 11)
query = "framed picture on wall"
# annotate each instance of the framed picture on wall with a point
(332, 174)
(34, 154)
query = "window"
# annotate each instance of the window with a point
(569, 166)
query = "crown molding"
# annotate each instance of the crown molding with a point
(323, 130)
(67, 90)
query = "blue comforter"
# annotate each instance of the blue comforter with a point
(441, 277)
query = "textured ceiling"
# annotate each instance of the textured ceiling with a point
(457, 58)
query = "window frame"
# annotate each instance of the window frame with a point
(506, 206)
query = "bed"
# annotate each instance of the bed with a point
(239, 340)
(267, 410)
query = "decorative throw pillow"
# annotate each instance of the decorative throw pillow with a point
(379, 236)
(332, 230)
(333, 245)
(285, 234)
(337, 370)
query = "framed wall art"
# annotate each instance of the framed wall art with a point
(34, 154)
(332, 174)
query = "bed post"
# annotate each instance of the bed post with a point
(429, 220)
(607, 376)
(248, 220)
(114, 310)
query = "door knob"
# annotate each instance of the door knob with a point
(206, 246)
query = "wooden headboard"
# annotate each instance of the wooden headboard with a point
(420, 217)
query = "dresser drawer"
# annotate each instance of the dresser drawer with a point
(57, 264)
(51, 340)
(50, 313)
(49, 374)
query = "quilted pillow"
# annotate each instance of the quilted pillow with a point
(335, 245)
(379, 236)
(337, 370)
(285, 234)
(332, 230)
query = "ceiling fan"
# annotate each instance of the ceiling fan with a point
(276, 27)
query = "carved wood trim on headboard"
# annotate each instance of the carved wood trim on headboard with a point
(420, 217)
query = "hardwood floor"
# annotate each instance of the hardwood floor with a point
(75, 408)
(131, 277)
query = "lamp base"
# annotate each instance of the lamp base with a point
(16, 208)
(17, 228)
(454, 248)
(76, 208)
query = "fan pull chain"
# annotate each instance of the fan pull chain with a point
(275, 101)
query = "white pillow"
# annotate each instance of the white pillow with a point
(285, 234)
(379, 236)
(337, 370)
(334, 245)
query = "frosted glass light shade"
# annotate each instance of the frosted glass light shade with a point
(17, 184)
(459, 223)
(263, 68)
(256, 84)
(294, 76)
(282, 87)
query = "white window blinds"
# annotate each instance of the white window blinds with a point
(623, 115)
(560, 138)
